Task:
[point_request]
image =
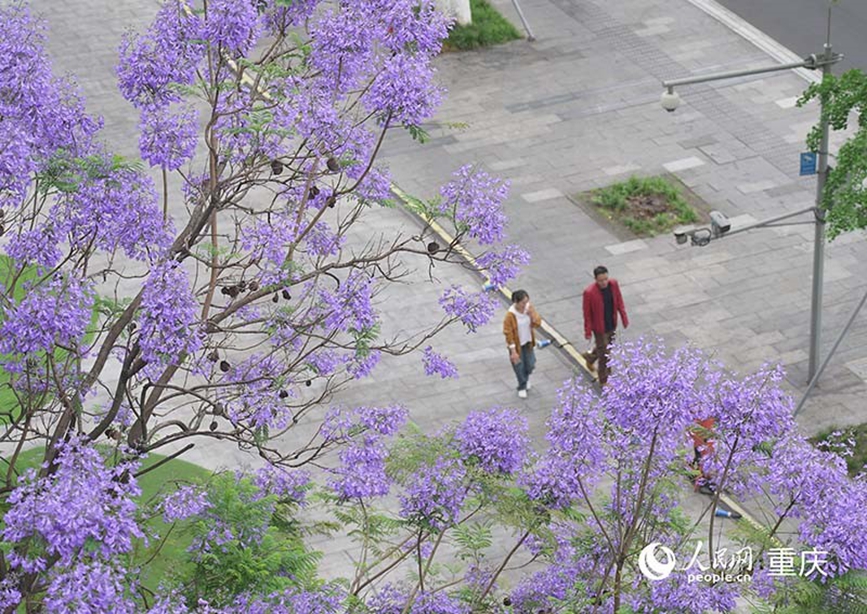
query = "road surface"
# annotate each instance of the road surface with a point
(801, 25)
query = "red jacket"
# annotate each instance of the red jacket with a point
(594, 308)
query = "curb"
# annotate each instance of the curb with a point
(764, 42)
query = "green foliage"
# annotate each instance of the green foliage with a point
(488, 28)
(626, 202)
(845, 194)
(795, 595)
(853, 439)
(251, 554)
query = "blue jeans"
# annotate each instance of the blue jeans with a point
(524, 367)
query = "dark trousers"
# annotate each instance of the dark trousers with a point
(524, 367)
(600, 354)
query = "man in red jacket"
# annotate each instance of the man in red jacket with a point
(602, 303)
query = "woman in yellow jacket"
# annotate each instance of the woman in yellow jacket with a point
(518, 327)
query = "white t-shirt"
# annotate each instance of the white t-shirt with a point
(525, 333)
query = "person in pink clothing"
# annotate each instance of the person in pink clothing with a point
(602, 305)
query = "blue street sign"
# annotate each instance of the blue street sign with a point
(808, 163)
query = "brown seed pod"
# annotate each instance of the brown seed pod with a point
(233, 291)
(433, 247)
(225, 366)
(2, 230)
(224, 291)
(253, 286)
(333, 164)
(331, 201)
(314, 191)
(308, 383)
(276, 167)
(213, 425)
(214, 356)
(242, 285)
(283, 394)
(286, 295)
(507, 602)
(276, 298)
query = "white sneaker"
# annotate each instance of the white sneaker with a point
(529, 385)
(522, 394)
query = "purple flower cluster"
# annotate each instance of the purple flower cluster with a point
(152, 64)
(474, 200)
(186, 502)
(504, 265)
(435, 494)
(495, 439)
(436, 364)
(168, 139)
(35, 247)
(168, 314)
(350, 307)
(286, 485)
(43, 116)
(95, 586)
(473, 310)
(83, 509)
(55, 313)
(256, 393)
(231, 26)
(404, 90)
(362, 473)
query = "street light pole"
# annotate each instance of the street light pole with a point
(819, 237)
(671, 101)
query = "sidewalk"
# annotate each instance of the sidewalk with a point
(579, 109)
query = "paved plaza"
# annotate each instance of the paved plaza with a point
(575, 110)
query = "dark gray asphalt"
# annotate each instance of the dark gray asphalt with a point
(801, 25)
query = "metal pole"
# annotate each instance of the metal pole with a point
(819, 237)
(732, 74)
(530, 36)
(814, 380)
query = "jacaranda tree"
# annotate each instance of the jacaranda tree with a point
(232, 297)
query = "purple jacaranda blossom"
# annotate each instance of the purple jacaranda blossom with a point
(52, 314)
(363, 363)
(256, 393)
(322, 241)
(362, 470)
(187, 501)
(43, 116)
(152, 64)
(167, 137)
(385, 421)
(95, 586)
(503, 265)
(438, 603)
(231, 26)
(82, 503)
(285, 484)
(436, 364)
(411, 26)
(435, 494)
(270, 238)
(10, 596)
(678, 595)
(472, 309)
(349, 308)
(474, 200)
(404, 90)
(168, 314)
(34, 247)
(496, 440)
(115, 208)
(280, 16)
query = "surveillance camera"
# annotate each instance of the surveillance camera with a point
(682, 233)
(670, 100)
(719, 223)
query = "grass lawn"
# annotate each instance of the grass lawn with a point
(488, 28)
(170, 558)
(645, 205)
(858, 434)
